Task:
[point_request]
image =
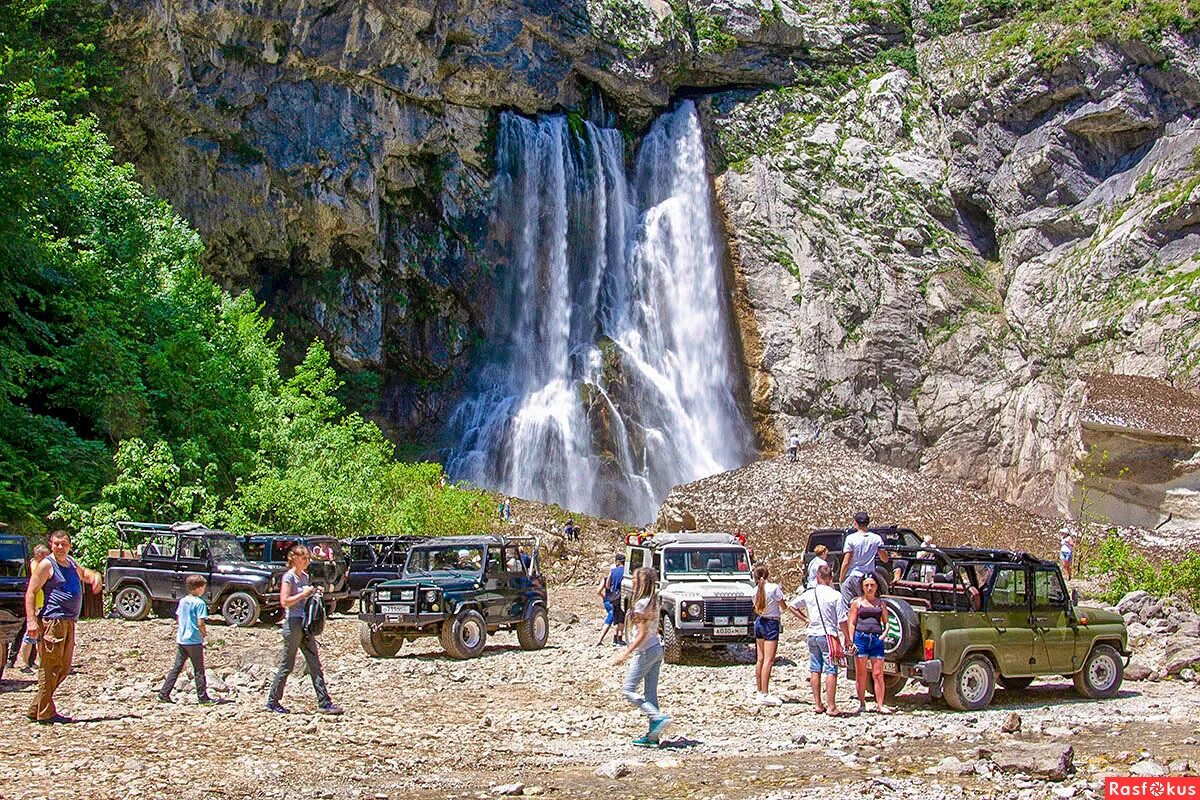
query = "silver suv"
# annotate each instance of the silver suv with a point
(705, 586)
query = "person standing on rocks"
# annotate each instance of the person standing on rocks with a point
(1066, 552)
(571, 531)
(647, 653)
(189, 642)
(822, 609)
(768, 606)
(24, 647)
(610, 595)
(293, 594)
(794, 447)
(819, 560)
(506, 509)
(859, 553)
(868, 620)
(61, 580)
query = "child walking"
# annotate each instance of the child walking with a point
(647, 653)
(189, 642)
(27, 653)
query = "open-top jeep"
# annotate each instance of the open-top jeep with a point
(705, 588)
(328, 566)
(834, 539)
(373, 560)
(14, 577)
(151, 576)
(962, 620)
(461, 589)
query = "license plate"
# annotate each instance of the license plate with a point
(891, 668)
(720, 621)
(394, 608)
(729, 630)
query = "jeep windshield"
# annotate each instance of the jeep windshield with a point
(446, 561)
(707, 561)
(12, 558)
(225, 548)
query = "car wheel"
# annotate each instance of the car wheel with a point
(672, 646)
(240, 609)
(132, 603)
(892, 686)
(378, 644)
(1102, 673)
(272, 616)
(534, 630)
(1015, 684)
(464, 635)
(972, 686)
(883, 577)
(903, 631)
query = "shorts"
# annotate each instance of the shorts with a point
(608, 616)
(868, 645)
(1065, 555)
(818, 656)
(767, 628)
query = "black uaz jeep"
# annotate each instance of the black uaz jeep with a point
(461, 589)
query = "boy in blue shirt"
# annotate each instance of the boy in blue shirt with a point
(191, 614)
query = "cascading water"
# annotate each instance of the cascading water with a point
(613, 375)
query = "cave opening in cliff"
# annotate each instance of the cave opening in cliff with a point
(610, 372)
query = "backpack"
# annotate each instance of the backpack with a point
(314, 615)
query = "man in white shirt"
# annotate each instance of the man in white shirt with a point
(827, 616)
(859, 552)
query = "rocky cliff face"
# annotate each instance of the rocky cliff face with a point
(933, 247)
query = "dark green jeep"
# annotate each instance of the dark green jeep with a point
(963, 620)
(460, 589)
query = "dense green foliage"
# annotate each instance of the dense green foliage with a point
(1124, 571)
(131, 386)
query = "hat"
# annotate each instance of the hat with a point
(862, 518)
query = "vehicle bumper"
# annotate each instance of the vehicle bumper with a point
(708, 636)
(927, 672)
(401, 620)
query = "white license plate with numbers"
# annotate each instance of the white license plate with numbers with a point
(891, 668)
(729, 630)
(395, 608)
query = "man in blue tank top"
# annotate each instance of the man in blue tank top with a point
(61, 581)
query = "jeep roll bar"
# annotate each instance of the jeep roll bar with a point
(147, 529)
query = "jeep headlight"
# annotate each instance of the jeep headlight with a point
(408, 594)
(383, 594)
(431, 596)
(695, 610)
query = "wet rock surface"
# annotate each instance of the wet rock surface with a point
(553, 723)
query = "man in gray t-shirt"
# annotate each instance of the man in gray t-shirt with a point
(859, 553)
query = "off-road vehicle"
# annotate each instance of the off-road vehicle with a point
(14, 578)
(834, 538)
(962, 620)
(461, 589)
(373, 560)
(328, 566)
(705, 588)
(148, 573)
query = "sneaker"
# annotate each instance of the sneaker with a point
(657, 727)
(28, 670)
(162, 698)
(645, 741)
(276, 708)
(331, 709)
(57, 719)
(769, 700)
(212, 701)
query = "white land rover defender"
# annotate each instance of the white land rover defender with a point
(705, 586)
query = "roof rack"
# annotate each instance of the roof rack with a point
(970, 554)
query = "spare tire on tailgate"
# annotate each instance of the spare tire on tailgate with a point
(903, 631)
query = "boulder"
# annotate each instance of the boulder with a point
(508, 789)
(1135, 602)
(1137, 671)
(613, 769)
(1052, 762)
(1181, 652)
(1012, 723)
(1148, 768)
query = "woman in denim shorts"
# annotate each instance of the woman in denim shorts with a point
(768, 605)
(868, 620)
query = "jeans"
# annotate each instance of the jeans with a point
(296, 639)
(56, 648)
(183, 654)
(644, 666)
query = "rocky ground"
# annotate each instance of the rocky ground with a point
(553, 723)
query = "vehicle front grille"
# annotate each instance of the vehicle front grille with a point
(731, 607)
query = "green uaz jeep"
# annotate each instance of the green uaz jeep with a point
(460, 589)
(962, 620)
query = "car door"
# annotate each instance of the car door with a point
(497, 592)
(192, 559)
(520, 582)
(1008, 614)
(158, 559)
(1053, 629)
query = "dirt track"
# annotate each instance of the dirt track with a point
(422, 725)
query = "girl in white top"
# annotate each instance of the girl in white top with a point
(647, 652)
(768, 605)
(819, 553)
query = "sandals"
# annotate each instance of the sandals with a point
(819, 710)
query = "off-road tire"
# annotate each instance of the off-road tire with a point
(972, 686)
(883, 576)
(893, 685)
(1102, 673)
(672, 645)
(377, 644)
(1015, 684)
(272, 616)
(464, 635)
(132, 603)
(902, 621)
(534, 630)
(240, 609)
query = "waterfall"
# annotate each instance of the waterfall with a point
(610, 373)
